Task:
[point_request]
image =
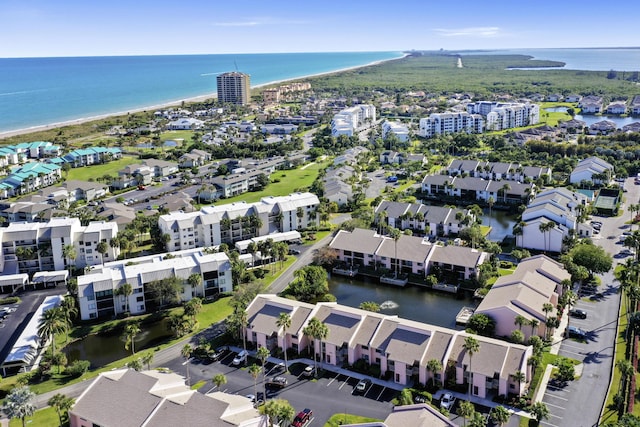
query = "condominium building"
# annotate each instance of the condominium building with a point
(500, 115)
(398, 129)
(213, 225)
(28, 247)
(353, 119)
(234, 87)
(400, 348)
(98, 294)
(442, 123)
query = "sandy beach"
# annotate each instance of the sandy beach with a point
(199, 98)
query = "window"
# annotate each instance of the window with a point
(512, 386)
(91, 297)
(141, 307)
(87, 244)
(364, 347)
(91, 306)
(92, 316)
(139, 299)
(137, 290)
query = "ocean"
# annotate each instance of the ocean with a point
(42, 91)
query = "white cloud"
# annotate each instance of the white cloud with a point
(258, 21)
(469, 32)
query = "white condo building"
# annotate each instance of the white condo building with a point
(442, 123)
(350, 120)
(98, 294)
(29, 247)
(501, 115)
(233, 222)
(400, 130)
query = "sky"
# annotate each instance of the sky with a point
(45, 28)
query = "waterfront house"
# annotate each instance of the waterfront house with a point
(592, 169)
(603, 127)
(430, 220)
(400, 348)
(619, 107)
(185, 123)
(635, 105)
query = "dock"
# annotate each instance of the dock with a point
(446, 288)
(464, 314)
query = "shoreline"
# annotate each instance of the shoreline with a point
(199, 98)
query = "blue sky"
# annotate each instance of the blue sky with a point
(32, 28)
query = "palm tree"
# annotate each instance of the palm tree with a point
(500, 415)
(284, 322)
(477, 419)
(534, 323)
(545, 227)
(52, 322)
(519, 321)
(626, 371)
(547, 308)
(130, 333)
(254, 371)
(263, 353)
(147, 359)
(102, 248)
(471, 346)
(125, 290)
(70, 311)
(317, 331)
(539, 411)
(506, 187)
(252, 248)
(395, 234)
(62, 404)
(70, 254)
(186, 352)
(465, 410)
(19, 404)
(490, 202)
(195, 280)
(519, 376)
(219, 380)
(434, 366)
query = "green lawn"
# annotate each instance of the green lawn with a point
(172, 135)
(47, 417)
(288, 181)
(340, 419)
(111, 168)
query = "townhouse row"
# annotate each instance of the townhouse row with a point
(401, 348)
(351, 120)
(430, 220)
(409, 254)
(473, 189)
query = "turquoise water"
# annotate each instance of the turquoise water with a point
(40, 91)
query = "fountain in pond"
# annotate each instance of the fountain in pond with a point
(388, 305)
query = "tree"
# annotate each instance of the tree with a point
(186, 352)
(539, 411)
(434, 366)
(52, 322)
(147, 359)
(19, 404)
(519, 321)
(547, 308)
(70, 254)
(219, 380)
(263, 354)
(370, 306)
(534, 323)
(309, 283)
(566, 370)
(477, 420)
(165, 291)
(102, 248)
(481, 324)
(135, 364)
(130, 333)
(62, 404)
(519, 376)
(125, 290)
(594, 258)
(465, 410)
(279, 411)
(517, 337)
(192, 308)
(471, 346)
(544, 228)
(254, 371)
(252, 248)
(500, 415)
(284, 322)
(395, 234)
(317, 331)
(195, 280)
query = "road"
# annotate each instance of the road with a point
(579, 403)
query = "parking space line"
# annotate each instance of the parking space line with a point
(555, 416)
(380, 395)
(332, 380)
(572, 352)
(556, 397)
(548, 424)
(555, 406)
(571, 346)
(555, 389)
(342, 385)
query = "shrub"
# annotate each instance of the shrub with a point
(78, 368)
(9, 300)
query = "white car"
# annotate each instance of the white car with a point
(447, 401)
(240, 358)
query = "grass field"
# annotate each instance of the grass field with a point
(111, 168)
(47, 417)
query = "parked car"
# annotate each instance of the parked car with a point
(294, 252)
(362, 386)
(309, 371)
(575, 332)
(240, 358)
(447, 401)
(277, 382)
(302, 418)
(577, 313)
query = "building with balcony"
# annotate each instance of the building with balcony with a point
(453, 122)
(353, 119)
(234, 87)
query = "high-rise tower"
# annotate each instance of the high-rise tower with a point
(234, 87)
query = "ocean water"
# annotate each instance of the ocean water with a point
(42, 91)
(600, 59)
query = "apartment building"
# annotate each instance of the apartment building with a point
(234, 87)
(98, 294)
(592, 169)
(409, 254)
(28, 247)
(430, 220)
(398, 129)
(401, 348)
(213, 225)
(454, 122)
(478, 189)
(497, 170)
(29, 177)
(351, 120)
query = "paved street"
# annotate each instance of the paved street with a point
(579, 403)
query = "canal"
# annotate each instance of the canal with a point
(410, 302)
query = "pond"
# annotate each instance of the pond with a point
(501, 224)
(168, 143)
(410, 302)
(591, 119)
(102, 349)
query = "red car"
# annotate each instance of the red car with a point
(302, 418)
